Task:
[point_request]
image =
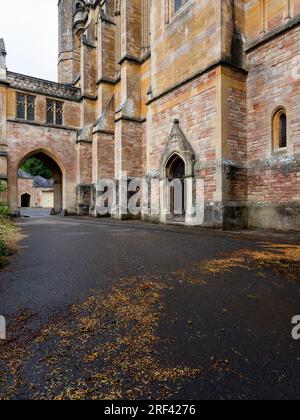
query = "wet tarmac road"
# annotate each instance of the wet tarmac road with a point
(235, 326)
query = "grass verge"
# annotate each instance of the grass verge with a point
(9, 237)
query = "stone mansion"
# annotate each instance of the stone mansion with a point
(166, 89)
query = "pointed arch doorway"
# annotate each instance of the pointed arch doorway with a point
(25, 200)
(177, 169)
(175, 172)
(56, 176)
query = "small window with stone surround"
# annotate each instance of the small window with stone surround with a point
(54, 112)
(280, 128)
(25, 107)
(178, 4)
(174, 7)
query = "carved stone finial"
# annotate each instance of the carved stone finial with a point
(81, 16)
(2, 60)
(2, 47)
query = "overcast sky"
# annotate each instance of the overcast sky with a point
(29, 28)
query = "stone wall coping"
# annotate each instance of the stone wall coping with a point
(43, 87)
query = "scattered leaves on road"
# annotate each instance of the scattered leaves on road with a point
(105, 348)
(283, 259)
(279, 258)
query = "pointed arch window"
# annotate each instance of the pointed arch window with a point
(25, 107)
(54, 114)
(280, 130)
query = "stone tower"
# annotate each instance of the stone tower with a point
(69, 54)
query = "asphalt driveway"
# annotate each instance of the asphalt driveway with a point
(106, 309)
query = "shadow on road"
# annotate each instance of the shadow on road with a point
(28, 212)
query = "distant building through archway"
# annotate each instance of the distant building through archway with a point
(45, 193)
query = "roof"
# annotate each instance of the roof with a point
(43, 87)
(40, 182)
(37, 181)
(24, 175)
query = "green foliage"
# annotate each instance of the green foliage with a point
(35, 167)
(4, 210)
(2, 187)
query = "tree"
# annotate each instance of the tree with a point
(35, 167)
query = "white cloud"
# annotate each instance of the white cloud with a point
(29, 29)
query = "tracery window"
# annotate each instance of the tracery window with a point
(54, 112)
(25, 107)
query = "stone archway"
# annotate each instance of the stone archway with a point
(175, 173)
(178, 144)
(57, 175)
(177, 163)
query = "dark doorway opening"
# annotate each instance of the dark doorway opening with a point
(175, 171)
(25, 200)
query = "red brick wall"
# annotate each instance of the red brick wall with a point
(128, 149)
(279, 184)
(236, 95)
(273, 82)
(195, 105)
(103, 157)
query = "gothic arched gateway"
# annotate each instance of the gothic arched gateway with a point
(56, 174)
